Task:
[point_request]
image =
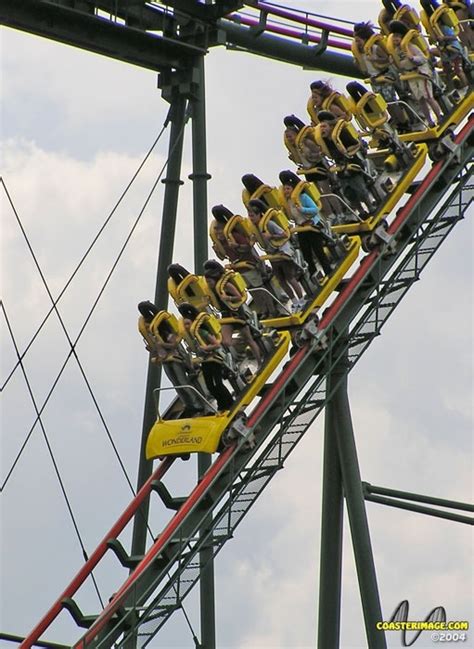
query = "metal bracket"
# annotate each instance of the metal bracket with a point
(321, 47)
(122, 555)
(310, 333)
(83, 621)
(168, 500)
(241, 432)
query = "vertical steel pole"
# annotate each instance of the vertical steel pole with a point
(200, 175)
(172, 183)
(352, 484)
(199, 178)
(330, 571)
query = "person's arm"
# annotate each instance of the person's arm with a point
(379, 56)
(211, 342)
(309, 208)
(275, 232)
(171, 342)
(416, 55)
(232, 294)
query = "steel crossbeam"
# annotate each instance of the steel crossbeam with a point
(385, 280)
(158, 37)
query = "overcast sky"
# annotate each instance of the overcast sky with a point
(75, 128)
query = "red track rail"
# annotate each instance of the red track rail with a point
(97, 555)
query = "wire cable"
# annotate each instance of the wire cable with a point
(73, 345)
(91, 245)
(50, 450)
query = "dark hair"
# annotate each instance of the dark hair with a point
(213, 269)
(258, 205)
(221, 213)
(364, 30)
(148, 310)
(322, 87)
(326, 116)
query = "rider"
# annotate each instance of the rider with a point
(167, 350)
(410, 58)
(240, 251)
(208, 350)
(305, 213)
(280, 250)
(229, 303)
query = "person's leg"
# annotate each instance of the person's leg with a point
(289, 268)
(247, 336)
(317, 243)
(262, 300)
(223, 397)
(226, 331)
(280, 275)
(178, 377)
(304, 239)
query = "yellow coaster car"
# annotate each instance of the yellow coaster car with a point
(397, 191)
(327, 286)
(455, 117)
(203, 434)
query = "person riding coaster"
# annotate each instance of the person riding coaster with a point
(410, 54)
(372, 58)
(370, 112)
(305, 152)
(163, 339)
(273, 234)
(340, 141)
(442, 27)
(395, 10)
(229, 295)
(202, 333)
(324, 97)
(464, 11)
(230, 234)
(315, 238)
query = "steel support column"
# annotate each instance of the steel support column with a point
(199, 178)
(354, 496)
(330, 570)
(172, 183)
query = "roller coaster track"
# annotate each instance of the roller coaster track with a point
(167, 572)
